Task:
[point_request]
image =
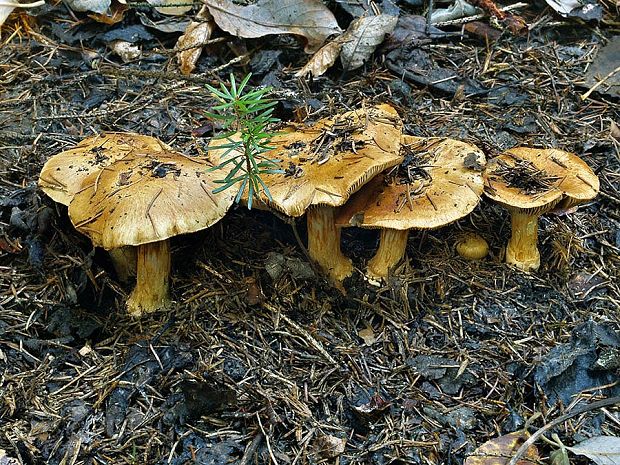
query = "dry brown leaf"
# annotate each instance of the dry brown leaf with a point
(363, 36)
(614, 130)
(190, 44)
(499, 451)
(171, 7)
(310, 19)
(322, 60)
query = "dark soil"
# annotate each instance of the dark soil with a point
(258, 361)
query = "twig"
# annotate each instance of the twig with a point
(251, 449)
(598, 84)
(562, 418)
(311, 340)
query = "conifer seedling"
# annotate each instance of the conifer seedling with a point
(245, 115)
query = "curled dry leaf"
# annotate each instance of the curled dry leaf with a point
(322, 60)
(190, 44)
(498, 451)
(171, 7)
(310, 19)
(363, 36)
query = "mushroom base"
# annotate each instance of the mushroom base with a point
(124, 262)
(522, 249)
(324, 244)
(392, 245)
(153, 270)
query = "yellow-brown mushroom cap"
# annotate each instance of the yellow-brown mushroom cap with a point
(445, 185)
(63, 174)
(536, 180)
(325, 163)
(138, 200)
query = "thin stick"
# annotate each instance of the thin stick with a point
(562, 418)
(597, 85)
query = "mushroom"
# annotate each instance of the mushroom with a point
(63, 174)
(322, 166)
(529, 182)
(439, 182)
(142, 201)
(472, 246)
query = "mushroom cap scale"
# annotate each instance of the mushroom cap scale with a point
(439, 182)
(143, 199)
(63, 174)
(536, 180)
(325, 163)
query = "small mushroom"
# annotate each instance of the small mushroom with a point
(142, 201)
(439, 182)
(63, 174)
(472, 246)
(529, 182)
(322, 166)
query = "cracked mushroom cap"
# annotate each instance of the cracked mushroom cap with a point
(143, 199)
(325, 163)
(439, 181)
(536, 180)
(63, 174)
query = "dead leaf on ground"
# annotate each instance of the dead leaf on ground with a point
(500, 450)
(322, 60)
(171, 7)
(363, 36)
(190, 44)
(310, 19)
(577, 9)
(5, 11)
(96, 6)
(602, 450)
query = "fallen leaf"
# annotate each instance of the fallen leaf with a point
(577, 9)
(500, 450)
(602, 450)
(307, 18)
(322, 60)
(559, 457)
(171, 7)
(368, 335)
(329, 446)
(113, 15)
(96, 6)
(190, 44)
(614, 131)
(460, 9)
(125, 50)
(363, 36)
(5, 11)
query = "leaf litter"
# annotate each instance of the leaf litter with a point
(463, 352)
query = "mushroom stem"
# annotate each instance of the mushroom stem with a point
(522, 250)
(124, 262)
(153, 270)
(392, 244)
(324, 244)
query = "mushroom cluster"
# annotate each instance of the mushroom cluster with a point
(131, 193)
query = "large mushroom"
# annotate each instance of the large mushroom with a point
(322, 166)
(529, 182)
(438, 182)
(142, 201)
(63, 174)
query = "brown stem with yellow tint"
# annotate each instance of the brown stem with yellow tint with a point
(324, 244)
(392, 245)
(522, 249)
(153, 271)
